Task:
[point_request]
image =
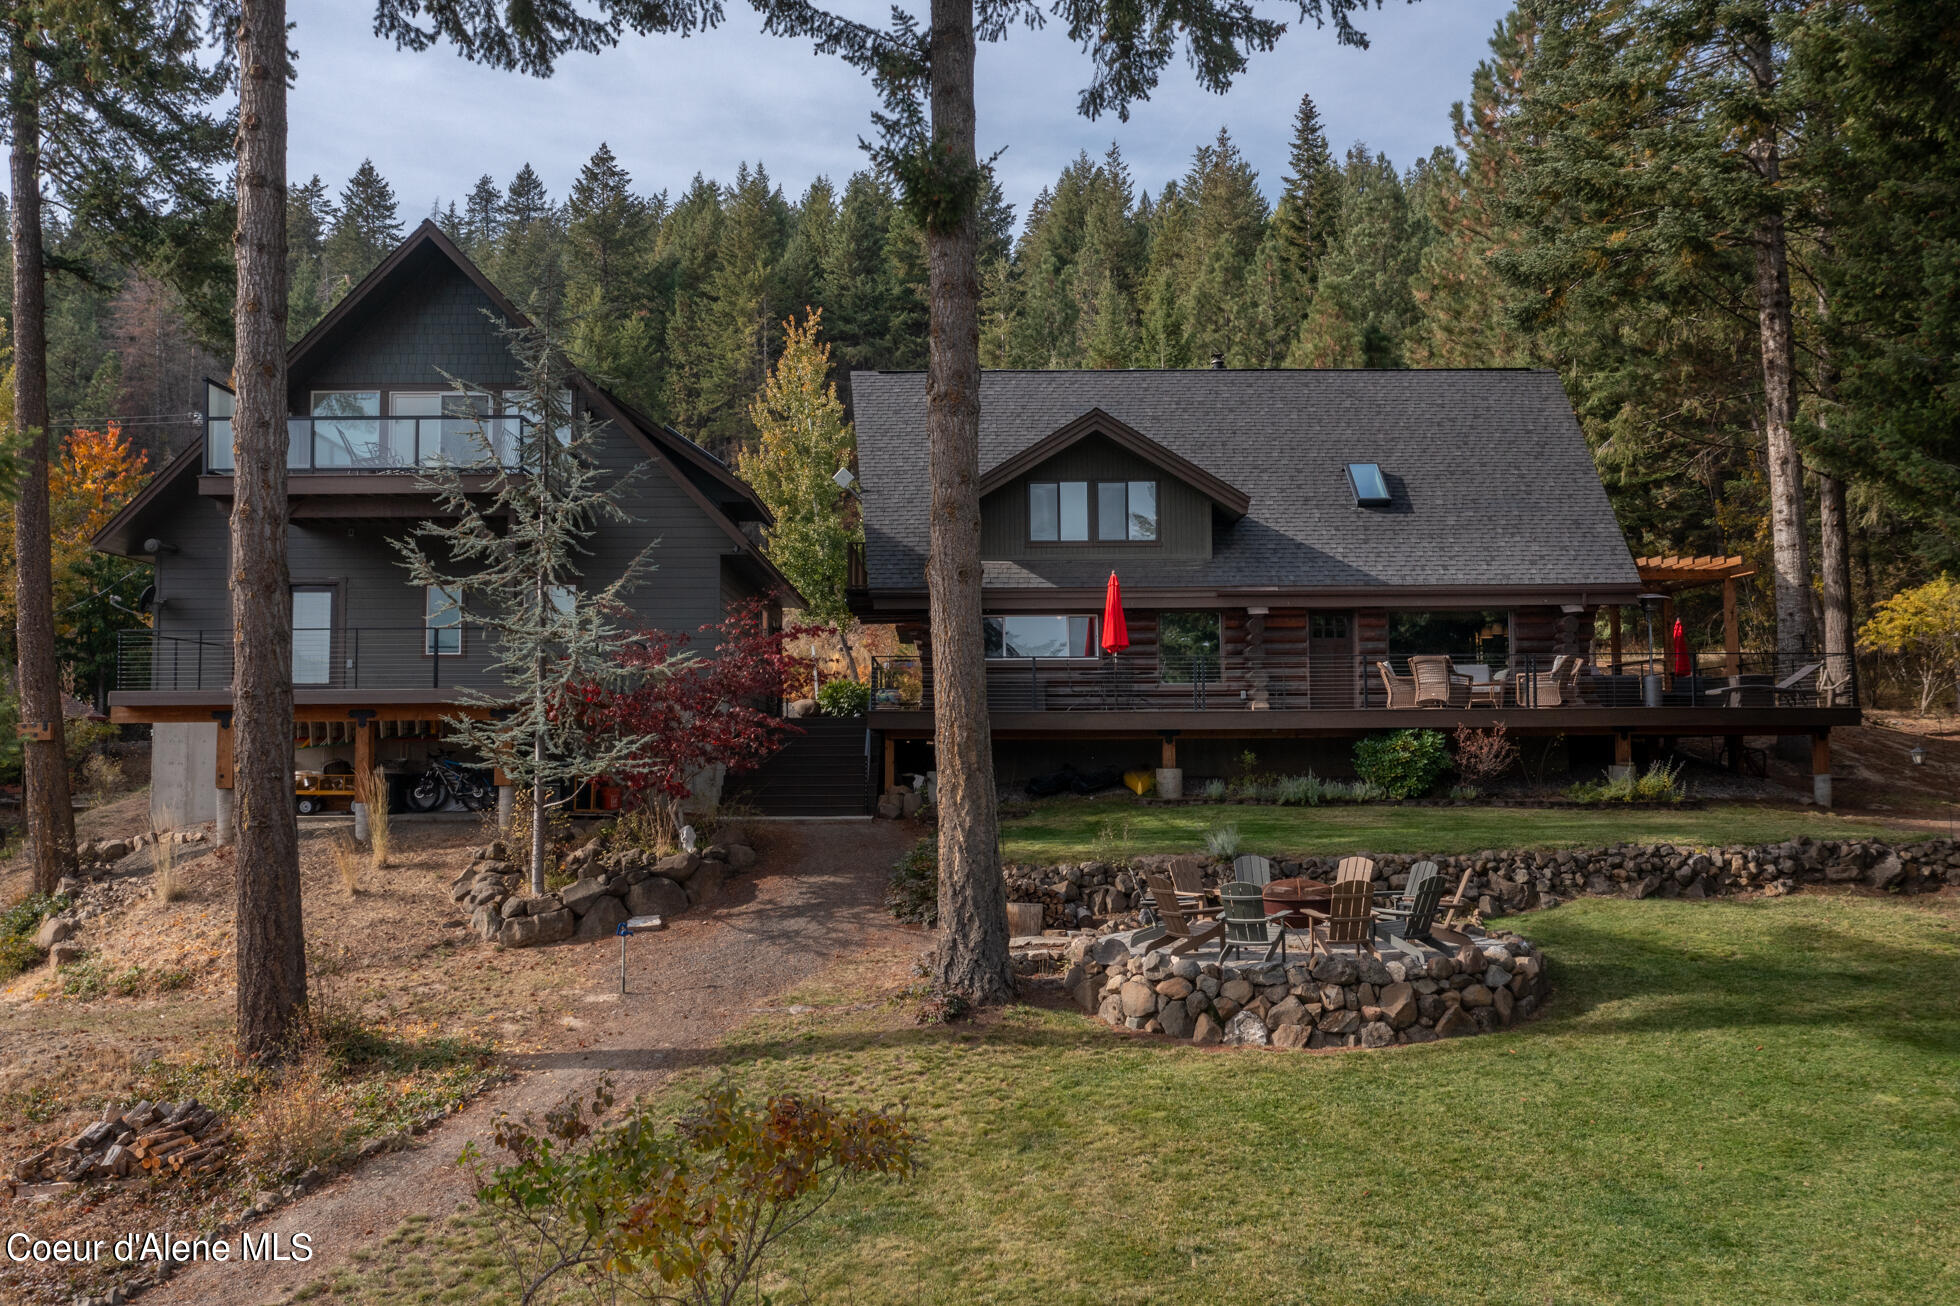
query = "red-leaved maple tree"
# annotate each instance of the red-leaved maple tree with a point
(690, 712)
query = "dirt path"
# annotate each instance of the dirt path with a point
(686, 986)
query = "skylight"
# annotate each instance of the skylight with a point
(1370, 487)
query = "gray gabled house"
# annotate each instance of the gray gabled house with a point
(1302, 555)
(376, 663)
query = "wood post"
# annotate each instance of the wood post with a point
(891, 765)
(1667, 642)
(1731, 630)
(224, 770)
(1820, 767)
(1613, 618)
(1168, 761)
(223, 816)
(1622, 755)
(363, 754)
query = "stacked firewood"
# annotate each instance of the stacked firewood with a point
(162, 1138)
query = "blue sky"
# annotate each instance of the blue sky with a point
(671, 108)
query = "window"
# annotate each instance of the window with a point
(1329, 625)
(346, 429)
(1469, 636)
(1188, 645)
(312, 635)
(518, 403)
(1040, 637)
(218, 403)
(1058, 510)
(417, 439)
(442, 618)
(1370, 486)
(1126, 510)
(562, 598)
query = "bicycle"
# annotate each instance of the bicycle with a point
(445, 779)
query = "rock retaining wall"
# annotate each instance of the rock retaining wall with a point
(1082, 894)
(611, 887)
(1334, 1000)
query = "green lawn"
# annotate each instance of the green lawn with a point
(1724, 1103)
(1073, 829)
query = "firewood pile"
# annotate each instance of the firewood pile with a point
(162, 1138)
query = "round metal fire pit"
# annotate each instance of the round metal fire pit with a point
(1289, 895)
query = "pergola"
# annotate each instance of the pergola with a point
(1670, 573)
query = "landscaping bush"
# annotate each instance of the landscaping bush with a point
(844, 698)
(1213, 791)
(1660, 784)
(1222, 840)
(646, 1210)
(1402, 763)
(17, 927)
(1484, 754)
(913, 892)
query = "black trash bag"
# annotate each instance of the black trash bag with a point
(1055, 782)
(1094, 782)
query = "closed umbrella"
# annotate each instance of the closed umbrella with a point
(1683, 664)
(1115, 630)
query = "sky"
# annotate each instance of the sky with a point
(672, 108)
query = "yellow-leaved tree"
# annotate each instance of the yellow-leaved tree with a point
(1921, 627)
(802, 440)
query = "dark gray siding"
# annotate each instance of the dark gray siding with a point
(1183, 514)
(437, 324)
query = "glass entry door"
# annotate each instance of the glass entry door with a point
(312, 635)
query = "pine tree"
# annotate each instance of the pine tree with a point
(1307, 219)
(606, 228)
(813, 231)
(366, 227)
(309, 216)
(1365, 278)
(483, 217)
(1227, 220)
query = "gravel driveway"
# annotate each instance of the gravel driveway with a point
(818, 898)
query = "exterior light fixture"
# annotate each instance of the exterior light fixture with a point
(1918, 755)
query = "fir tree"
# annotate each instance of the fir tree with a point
(605, 229)
(309, 216)
(529, 262)
(483, 216)
(366, 227)
(1307, 219)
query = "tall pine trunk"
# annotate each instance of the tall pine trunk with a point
(271, 945)
(1834, 530)
(972, 959)
(1788, 542)
(50, 816)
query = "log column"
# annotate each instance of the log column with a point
(223, 826)
(1622, 756)
(1820, 767)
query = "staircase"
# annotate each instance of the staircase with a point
(825, 771)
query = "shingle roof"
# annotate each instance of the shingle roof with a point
(1493, 485)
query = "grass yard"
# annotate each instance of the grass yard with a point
(1725, 1102)
(1115, 826)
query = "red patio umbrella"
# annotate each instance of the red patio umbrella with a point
(1115, 630)
(1683, 664)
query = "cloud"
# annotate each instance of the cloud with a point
(672, 108)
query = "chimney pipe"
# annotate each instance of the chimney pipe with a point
(1218, 362)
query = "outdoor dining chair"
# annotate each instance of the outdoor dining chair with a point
(1436, 680)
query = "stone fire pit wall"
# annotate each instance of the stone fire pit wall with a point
(610, 888)
(1076, 895)
(1330, 1001)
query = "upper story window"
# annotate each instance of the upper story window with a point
(1040, 636)
(442, 622)
(518, 403)
(346, 429)
(1061, 511)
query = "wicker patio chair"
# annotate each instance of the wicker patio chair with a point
(1247, 922)
(1437, 681)
(1550, 688)
(1401, 690)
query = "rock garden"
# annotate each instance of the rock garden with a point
(609, 887)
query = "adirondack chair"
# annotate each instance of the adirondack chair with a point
(1248, 925)
(1354, 868)
(1418, 874)
(1457, 904)
(1348, 922)
(1185, 929)
(1190, 882)
(1437, 680)
(1417, 920)
(1249, 868)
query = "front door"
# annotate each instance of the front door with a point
(312, 634)
(1330, 660)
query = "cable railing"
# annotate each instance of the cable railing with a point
(354, 657)
(397, 445)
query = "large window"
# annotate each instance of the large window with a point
(1466, 636)
(518, 403)
(312, 635)
(1188, 647)
(442, 619)
(1059, 511)
(1041, 637)
(346, 428)
(456, 436)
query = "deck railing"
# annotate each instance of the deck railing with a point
(358, 657)
(397, 445)
(1714, 681)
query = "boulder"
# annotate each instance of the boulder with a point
(602, 918)
(1377, 1034)
(486, 923)
(1237, 990)
(1455, 1024)
(1290, 1012)
(798, 708)
(1292, 1037)
(1336, 969)
(1887, 873)
(1175, 1020)
(1339, 1022)
(679, 868)
(1205, 1032)
(740, 857)
(1139, 999)
(582, 894)
(1174, 987)
(1476, 996)
(1375, 971)
(705, 884)
(1502, 1003)
(1247, 1030)
(64, 953)
(1398, 1006)
(656, 897)
(1111, 1010)
(53, 930)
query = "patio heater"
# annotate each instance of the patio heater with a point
(1650, 679)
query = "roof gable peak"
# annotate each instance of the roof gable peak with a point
(1096, 422)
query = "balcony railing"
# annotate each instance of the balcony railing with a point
(399, 445)
(1714, 681)
(366, 657)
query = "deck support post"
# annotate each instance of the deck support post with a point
(506, 799)
(1613, 627)
(1666, 649)
(1170, 779)
(1622, 767)
(223, 825)
(363, 771)
(1820, 767)
(891, 765)
(1731, 630)
(1732, 745)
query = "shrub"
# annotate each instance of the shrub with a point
(102, 777)
(1660, 784)
(17, 953)
(380, 837)
(1484, 754)
(643, 1210)
(302, 1120)
(1464, 793)
(346, 863)
(17, 926)
(1402, 763)
(913, 892)
(1222, 840)
(1213, 791)
(844, 698)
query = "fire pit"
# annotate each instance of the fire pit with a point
(1291, 895)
